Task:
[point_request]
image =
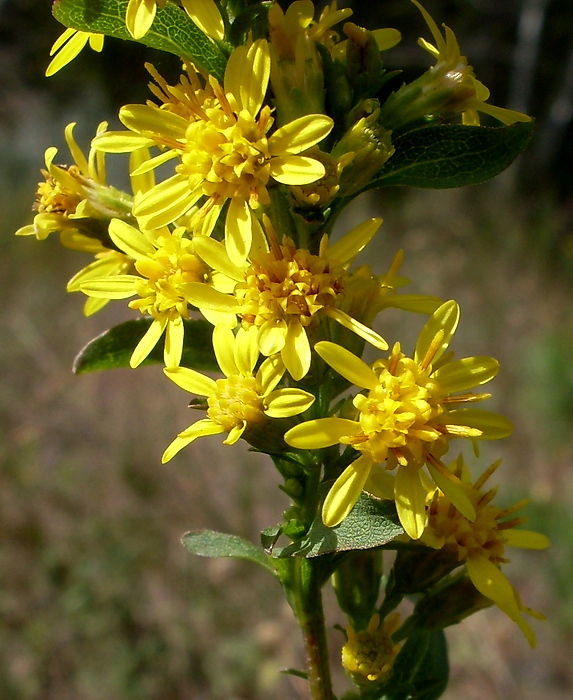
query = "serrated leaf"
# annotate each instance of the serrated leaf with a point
(371, 523)
(421, 669)
(453, 155)
(208, 543)
(113, 348)
(172, 30)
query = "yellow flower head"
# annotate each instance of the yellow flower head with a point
(452, 72)
(244, 399)
(224, 150)
(205, 13)
(406, 416)
(481, 543)
(286, 291)
(369, 654)
(66, 200)
(68, 45)
(166, 265)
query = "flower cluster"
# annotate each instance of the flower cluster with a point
(238, 179)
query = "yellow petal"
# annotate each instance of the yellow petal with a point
(445, 319)
(121, 142)
(410, 499)
(465, 374)
(492, 425)
(238, 231)
(347, 364)
(345, 491)
(246, 350)
(296, 170)
(296, 353)
(321, 432)
(165, 203)
(139, 17)
(359, 328)
(270, 373)
(206, 16)
(489, 580)
(215, 255)
(148, 342)
(174, 342)
(199, 429)
(347, 248)
(285, 403)
(300, 134)
(223, 345)
(116, 287)
(247, 75)
(526, 539)
(140, 182)
(75, 43)
(130, 240)
(205, 297)
(453, 490)
(152, 120)
(235, 433)
(272, 336)
(191, 380)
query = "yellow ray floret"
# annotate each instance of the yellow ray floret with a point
(244, 399)
(68, 45)
(408, 412)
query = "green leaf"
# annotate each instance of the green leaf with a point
(113, 348)
(371, 523)
(172, 30)
(208, 543)
(445, 156)
(421, 669)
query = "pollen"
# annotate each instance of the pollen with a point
(236, 402)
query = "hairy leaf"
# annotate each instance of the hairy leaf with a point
(113, 348)
(172, 30)
(208, 543)
(371, 523)
(439, 157)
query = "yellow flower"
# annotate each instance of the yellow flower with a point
(405, 418)
(76, 202)
(68, 45)
(369, 654)
(481, 543)
(65, 200)
(166, 265)
(224, 150)
(453, 72)
(245, 399)
(286, 291)
(141, 13)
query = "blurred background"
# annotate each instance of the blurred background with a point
(98, 599)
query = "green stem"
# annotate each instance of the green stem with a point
(303, 589)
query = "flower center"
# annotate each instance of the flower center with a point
(236, 402)
(288, 282)
(483, 536)
(227, 155)
(53, 198)
(395, 414)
